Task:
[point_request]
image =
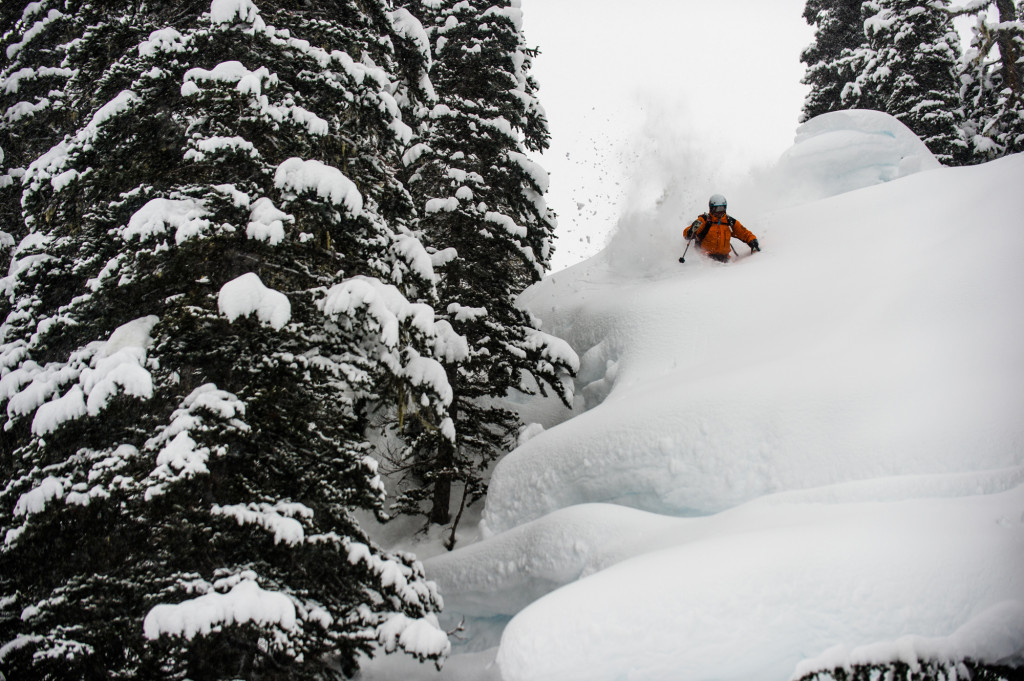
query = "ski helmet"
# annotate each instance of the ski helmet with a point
(716, 200)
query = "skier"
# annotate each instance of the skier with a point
(715, 230)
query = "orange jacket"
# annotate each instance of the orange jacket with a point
(716, 241)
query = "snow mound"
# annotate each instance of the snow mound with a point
(751, 604)
(504, 574)
(845, 150)
(490, 581)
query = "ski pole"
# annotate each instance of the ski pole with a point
(683, 257)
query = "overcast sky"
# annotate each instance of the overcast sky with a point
(637, 90)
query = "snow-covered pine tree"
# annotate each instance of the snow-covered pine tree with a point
(991, 74)
(908, 69)
(838, 34)
(490, 230)
(213, 282)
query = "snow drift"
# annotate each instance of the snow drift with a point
(812, 456)
(841, 151)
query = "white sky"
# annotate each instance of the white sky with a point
(647, 95)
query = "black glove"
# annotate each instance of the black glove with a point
(753, 246)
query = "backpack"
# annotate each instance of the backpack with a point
(707, 225)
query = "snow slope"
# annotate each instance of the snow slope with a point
(833, 355)
(809, 457)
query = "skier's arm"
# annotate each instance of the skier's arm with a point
(694, 229)
(742, 233)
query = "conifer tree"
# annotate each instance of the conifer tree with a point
(991, 74)
(486, 221)
(862, 89)
(908, 69)
(838, 34)
(212, 281)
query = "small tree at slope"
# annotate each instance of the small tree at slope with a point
(923, 670)
(213, 282)
(486, 221)
(991, 72)
(838, 33)
(908, 69)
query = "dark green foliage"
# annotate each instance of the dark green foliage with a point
(485, 218)
(839, 31)
(991, 75)
(930, 670)
(896, 56)
(908, 69)
(34, 113)
(161, 444)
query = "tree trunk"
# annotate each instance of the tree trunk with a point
(440, 510)
(1008, 52)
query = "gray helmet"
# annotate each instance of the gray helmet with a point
(716, 200)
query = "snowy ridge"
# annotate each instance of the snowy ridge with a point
(828, 367)
(503, 575)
